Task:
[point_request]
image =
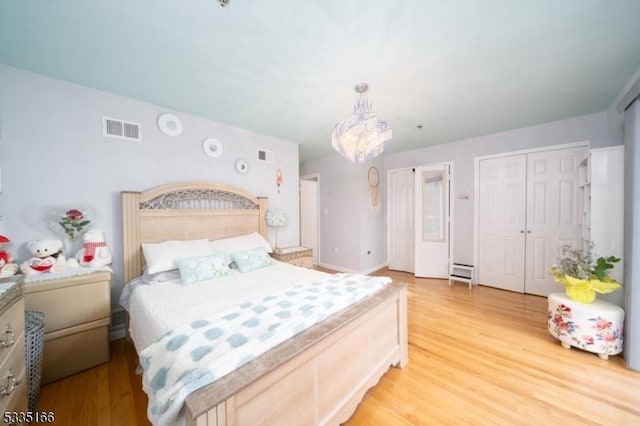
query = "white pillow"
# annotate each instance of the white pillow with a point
(160, 277)
(162, 256)
(240, 243)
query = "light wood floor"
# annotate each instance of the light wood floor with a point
(480, 356)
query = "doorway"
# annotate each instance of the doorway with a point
(400, 222)
(407, 249)
(309, 214)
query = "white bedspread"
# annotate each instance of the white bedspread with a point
(208, 348)
(155, 309)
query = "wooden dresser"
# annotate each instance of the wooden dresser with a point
(297, 256)
(13, 382)
(77, 315)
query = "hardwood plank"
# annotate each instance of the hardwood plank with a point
(479, 356)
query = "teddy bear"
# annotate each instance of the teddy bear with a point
(47, 256)
(7, 269)
(94, 252)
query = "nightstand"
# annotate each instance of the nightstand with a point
(77, 315)
(297, 256)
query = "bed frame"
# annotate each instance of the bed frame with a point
(317, 377)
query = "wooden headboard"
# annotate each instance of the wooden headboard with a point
(184, 211)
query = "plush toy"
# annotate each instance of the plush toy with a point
(94, 252)
(6, 268)
(47, 257)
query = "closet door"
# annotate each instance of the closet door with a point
(502, 184)
(527, 209)
(552, 203)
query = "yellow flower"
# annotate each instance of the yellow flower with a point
(584, 291)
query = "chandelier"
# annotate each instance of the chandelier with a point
(361, 136)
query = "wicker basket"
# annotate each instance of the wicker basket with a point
(34, 342)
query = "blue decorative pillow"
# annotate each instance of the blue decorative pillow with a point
(200, 268)
(251, 259)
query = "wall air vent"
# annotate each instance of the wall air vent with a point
(266, 156)
(114, 128)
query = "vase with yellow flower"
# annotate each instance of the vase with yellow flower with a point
(583, 273)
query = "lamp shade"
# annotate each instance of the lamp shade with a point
(275, 218)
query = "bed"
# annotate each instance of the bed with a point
(317, 376)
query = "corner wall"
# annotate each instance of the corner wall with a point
(632, 235)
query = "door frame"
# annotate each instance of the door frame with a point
(315, 177)
(476, 184)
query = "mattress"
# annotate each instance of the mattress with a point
(155, 309)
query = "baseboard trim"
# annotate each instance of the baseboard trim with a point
(364, 272)
(374, 268)
(117, 331)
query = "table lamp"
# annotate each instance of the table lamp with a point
(275, 218)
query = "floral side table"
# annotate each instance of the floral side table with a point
(595, 327)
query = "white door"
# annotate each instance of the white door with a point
(501, 222)
(400, 226)
(432, 221)
(552, 203)
(309, 216)
(527, 208)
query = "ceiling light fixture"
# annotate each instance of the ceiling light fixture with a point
(361, 136)
(224, 3)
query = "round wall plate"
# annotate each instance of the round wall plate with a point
(212, 147)
(170, 124)
(242, 167)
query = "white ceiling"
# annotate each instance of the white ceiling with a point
(287, 68)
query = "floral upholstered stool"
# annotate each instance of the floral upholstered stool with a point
(595, 327)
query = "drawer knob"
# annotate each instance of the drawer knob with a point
(10, 339)
(12, 384)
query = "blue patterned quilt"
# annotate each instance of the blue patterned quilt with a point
(196, 354)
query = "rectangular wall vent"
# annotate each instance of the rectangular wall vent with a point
(266, 156)
(114, 128)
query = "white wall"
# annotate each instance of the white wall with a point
(339, 211)
(593, 128)
(373, 247)
(52, 153)
(349, 229)
(341, 191)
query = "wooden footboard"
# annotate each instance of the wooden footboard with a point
(318, 377)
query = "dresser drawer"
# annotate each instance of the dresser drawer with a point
(71, 301)
(17, 405)
(11, 327)
(12, 374)
(303, 262)
(75, 349)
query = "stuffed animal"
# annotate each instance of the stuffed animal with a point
(94, 252)
(47, 257)
(6, 268)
